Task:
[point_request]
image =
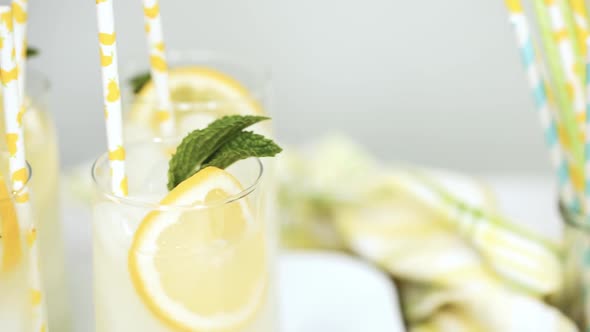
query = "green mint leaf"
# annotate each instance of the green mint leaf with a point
(244, 145)
(199, 145)
(32, 52)
(138, 81)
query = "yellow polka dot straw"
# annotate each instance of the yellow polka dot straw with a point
(158, 64)
(17, 161)
(112, 95)
(19, 17)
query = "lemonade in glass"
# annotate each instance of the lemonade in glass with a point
(42, 154)
(197, 258)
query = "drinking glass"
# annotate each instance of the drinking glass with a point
(42, 154)
(198, 258)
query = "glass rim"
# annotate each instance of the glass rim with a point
(155, 204)
(574, 219)
(201, 57)
(15, 193)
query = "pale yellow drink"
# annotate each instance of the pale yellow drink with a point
(42, 155)
(200, 258)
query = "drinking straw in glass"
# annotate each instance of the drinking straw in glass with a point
(20, 16)
(13, 112)
(571, 143)
(538, 86)
(112, 95)
(158, 65)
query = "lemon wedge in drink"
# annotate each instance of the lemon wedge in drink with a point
(201, 269)
(10, 240)
(199, 96)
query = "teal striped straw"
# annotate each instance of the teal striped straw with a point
(539, 86)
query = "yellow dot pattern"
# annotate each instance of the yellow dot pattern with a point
(13, 110)
(31, 237)
(9, 75)
(117, 154)
(107, 38)
(105, 60)
(36, 297)
(158, 64)
(124, 186)
(514, 6)
(113, 91)
(19, 19)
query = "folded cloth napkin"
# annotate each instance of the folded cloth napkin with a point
(460, 264)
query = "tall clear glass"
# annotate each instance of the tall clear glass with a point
(42, 154)
(199, 258)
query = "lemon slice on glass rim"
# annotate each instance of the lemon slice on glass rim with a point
(202, 269)
(197, 92)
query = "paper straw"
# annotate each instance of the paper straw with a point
(538, 85)
(158, 65)
(13, 113)
(112, 96)
(565, 109)
(568, 60)
(19, 16)
(580, 22)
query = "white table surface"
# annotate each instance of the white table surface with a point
(317, 289)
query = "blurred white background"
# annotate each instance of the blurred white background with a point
(433, 82)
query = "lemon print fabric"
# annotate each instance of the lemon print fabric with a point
(202, 270)
(199, 96)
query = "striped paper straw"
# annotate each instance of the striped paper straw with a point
(19, 16)
(570, 139)
(568, 60)
(538, 85)
(580, 18)
(158, 65)
(13, 113)
(112, 96)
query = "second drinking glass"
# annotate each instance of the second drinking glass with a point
(42, 152)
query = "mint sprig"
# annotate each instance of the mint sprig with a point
(32, 52)
(138, 81)
(244, 145)
(221, 144)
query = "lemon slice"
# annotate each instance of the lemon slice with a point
(199, 95)
(10, 244)
(204, 269)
